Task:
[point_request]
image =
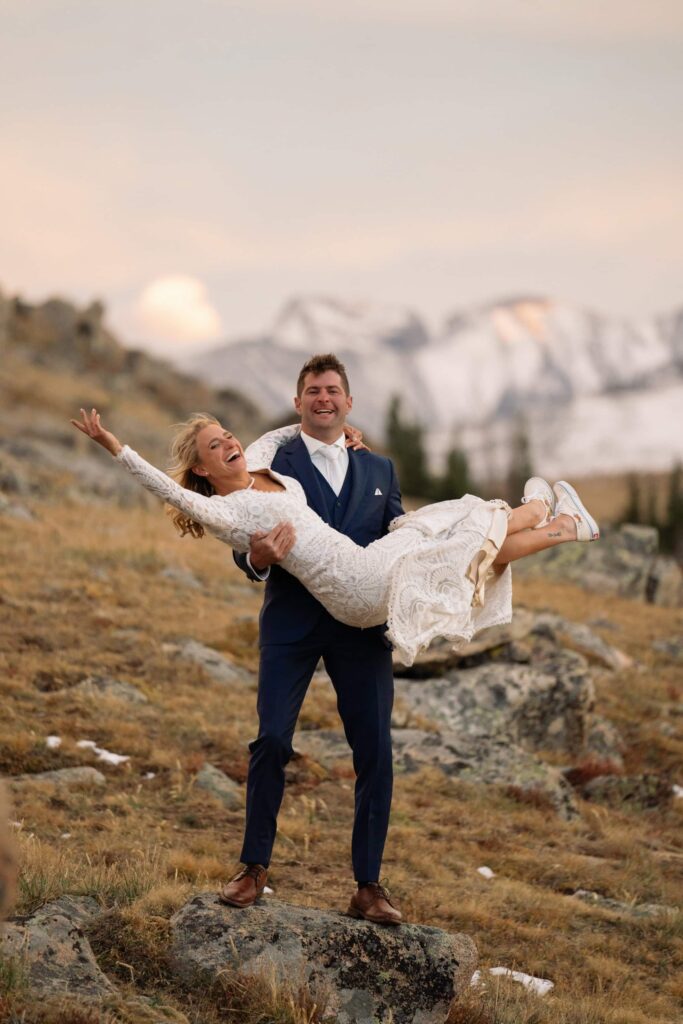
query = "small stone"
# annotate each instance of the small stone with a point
(83, 777)
(106, 686)
(215, 664)
(220, 785)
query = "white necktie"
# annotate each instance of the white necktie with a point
(331, 467)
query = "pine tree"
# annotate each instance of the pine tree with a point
(632, 511)
(520, 463)
(672, 528)
(456, 479)
(405, 441)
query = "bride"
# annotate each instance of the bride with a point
(442, 570)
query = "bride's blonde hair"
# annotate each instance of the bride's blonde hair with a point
(184, 457)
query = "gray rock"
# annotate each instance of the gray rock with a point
(470, 758)
(183, 577)
(79, 909)
(665, 583)
(636, 910)
(106, 686)
(219, 785)
(603, 742)
(671, 647)
(581, 638)
(215, 664)
(441, 655)
(56, 956)
(82, 777)
(535, 707)
(364, 973)
(640, 791)
(622, 563)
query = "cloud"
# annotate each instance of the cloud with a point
(175, 310)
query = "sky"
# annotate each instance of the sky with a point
(197, 164)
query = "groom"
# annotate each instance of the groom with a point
(357, 493)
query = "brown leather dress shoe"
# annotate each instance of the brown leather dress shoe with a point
(245, 888)
(372, 903)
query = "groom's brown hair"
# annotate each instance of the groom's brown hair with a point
(321, 364)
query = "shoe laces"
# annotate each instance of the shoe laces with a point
(381, 891)
(249, 871)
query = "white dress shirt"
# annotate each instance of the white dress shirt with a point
(332, 460)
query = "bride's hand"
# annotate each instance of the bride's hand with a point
(90, 424)
(354, 438)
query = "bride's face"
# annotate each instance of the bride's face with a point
(220, 455)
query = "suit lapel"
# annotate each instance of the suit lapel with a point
(295, 461)
(358, 467)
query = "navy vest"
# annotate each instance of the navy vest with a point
(336, 505)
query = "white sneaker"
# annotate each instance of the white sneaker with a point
(570, 504)
(538, 488)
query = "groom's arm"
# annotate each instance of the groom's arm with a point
(266, 549)
(394, 506)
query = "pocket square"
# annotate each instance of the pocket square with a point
(377, 490)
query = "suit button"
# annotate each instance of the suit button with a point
(339, 504)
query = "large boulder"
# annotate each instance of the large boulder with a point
(441, 655)
(536, 706)
(54, 953)
(361, 973)
(477, 759)
(625, 562)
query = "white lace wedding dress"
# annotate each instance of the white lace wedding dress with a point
(425, 578)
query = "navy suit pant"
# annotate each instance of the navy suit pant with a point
(360, 667)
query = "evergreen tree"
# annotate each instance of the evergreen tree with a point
(456, 479)
(406, 446)
(672, 528)
(632, 512)
(520, 463)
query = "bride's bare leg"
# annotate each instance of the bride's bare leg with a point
(528, 542)
(525, 516)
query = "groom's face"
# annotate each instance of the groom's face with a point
(323, 405)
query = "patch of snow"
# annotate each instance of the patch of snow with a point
(267, 890)
(541, 986)
(486, 872)
(149, 775)
(102, 754)
(65, 835)
(677, 791)
(53, 742)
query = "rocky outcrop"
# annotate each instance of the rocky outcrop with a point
(441, 655)
(82, 777)
(54, 953)
(360, 973)
(492, 722)
(625, 562)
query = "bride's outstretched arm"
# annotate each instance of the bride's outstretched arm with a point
(214, 515)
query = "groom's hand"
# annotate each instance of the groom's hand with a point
(270, 548)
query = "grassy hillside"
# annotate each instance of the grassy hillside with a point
(90, 586)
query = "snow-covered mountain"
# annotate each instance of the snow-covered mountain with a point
(595, 394)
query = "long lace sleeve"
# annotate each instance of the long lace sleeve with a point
(215, 515)
(261, 452)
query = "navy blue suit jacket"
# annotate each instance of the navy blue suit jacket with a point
(289, 612)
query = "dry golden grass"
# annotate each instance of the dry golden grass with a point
(82, 593)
